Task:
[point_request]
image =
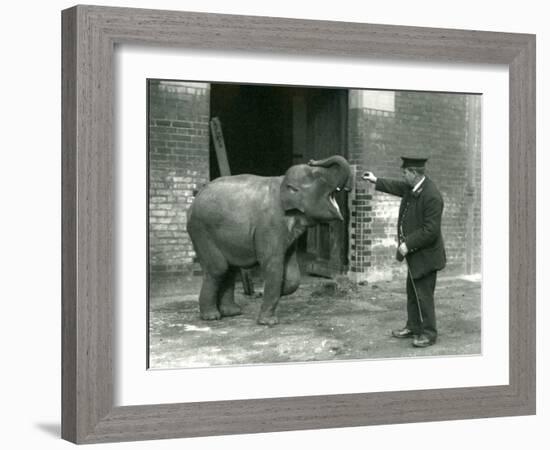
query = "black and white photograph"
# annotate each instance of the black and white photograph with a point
(295, 224)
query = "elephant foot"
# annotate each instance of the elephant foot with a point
(211, 314)
(268, 319)
(231, 309)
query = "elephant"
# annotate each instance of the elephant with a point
(243, 221)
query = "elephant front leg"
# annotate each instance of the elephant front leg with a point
(273, 275)
(291, 279)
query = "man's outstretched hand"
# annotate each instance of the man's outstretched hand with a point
(369, 176)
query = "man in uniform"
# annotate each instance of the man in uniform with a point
(420, 243)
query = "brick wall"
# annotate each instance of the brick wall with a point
(443, 127)
(178, 166)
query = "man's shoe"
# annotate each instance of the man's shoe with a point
(402, 333)
(423, 341)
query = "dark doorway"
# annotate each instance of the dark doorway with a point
(257, 128)
(266, 129)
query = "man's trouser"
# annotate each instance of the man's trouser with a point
(425, 288)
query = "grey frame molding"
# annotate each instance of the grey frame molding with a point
(89, 37)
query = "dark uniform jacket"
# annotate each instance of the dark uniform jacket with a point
(419, 224)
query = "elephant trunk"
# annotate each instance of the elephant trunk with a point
(343, 165)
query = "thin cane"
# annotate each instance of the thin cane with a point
(411, 277)
(415, 292)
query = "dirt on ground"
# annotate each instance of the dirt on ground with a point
(325, 320)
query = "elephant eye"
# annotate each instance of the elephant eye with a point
(338, 189)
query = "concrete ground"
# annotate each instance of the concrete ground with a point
(324, 320)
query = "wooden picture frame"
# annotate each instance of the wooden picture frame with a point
(89, 37)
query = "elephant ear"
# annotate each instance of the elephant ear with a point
(338, 171)
(292, 187)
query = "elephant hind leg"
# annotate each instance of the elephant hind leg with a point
(208, 297)
(227, 305)
(215, 268)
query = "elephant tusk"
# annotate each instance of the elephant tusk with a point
(335, 204)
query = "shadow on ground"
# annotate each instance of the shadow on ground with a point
(325, 320)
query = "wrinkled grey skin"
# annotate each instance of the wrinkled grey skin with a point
(244, 220)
